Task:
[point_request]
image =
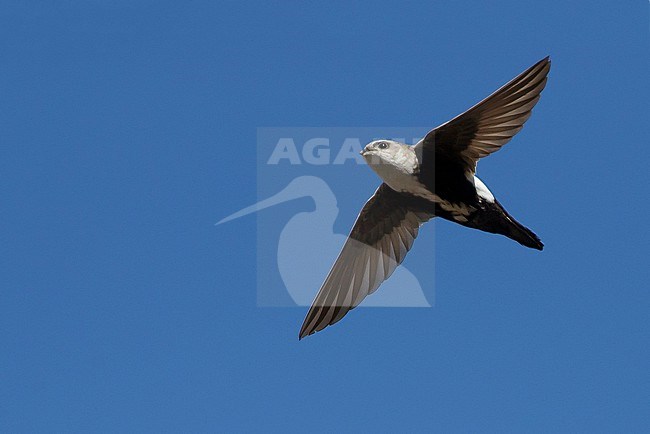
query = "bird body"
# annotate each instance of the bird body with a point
(434, 178)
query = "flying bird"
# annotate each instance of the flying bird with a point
(434, 178)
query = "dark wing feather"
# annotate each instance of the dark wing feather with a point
(380, 238)
(490, 124)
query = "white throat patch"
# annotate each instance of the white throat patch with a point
(397, 167)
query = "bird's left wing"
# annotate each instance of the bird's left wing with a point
(490, 124)
(380, 238)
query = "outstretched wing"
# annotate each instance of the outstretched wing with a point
(380, 238)
(491, 123)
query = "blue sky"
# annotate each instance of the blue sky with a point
(129, 129)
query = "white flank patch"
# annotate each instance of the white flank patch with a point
(482, 190)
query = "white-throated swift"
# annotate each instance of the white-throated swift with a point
(434, 178)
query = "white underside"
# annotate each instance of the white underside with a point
(482, 190)
(400, 178)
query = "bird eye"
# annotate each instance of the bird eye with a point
(382, 145)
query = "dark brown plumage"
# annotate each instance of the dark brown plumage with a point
(447, 156)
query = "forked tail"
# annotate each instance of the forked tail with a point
(495, 219)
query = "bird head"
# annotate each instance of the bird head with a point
(381, 152)
(382, 155)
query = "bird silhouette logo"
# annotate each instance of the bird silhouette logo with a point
(308, 244)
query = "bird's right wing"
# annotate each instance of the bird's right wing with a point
(380, 238)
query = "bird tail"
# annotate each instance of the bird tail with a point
(495, 219)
